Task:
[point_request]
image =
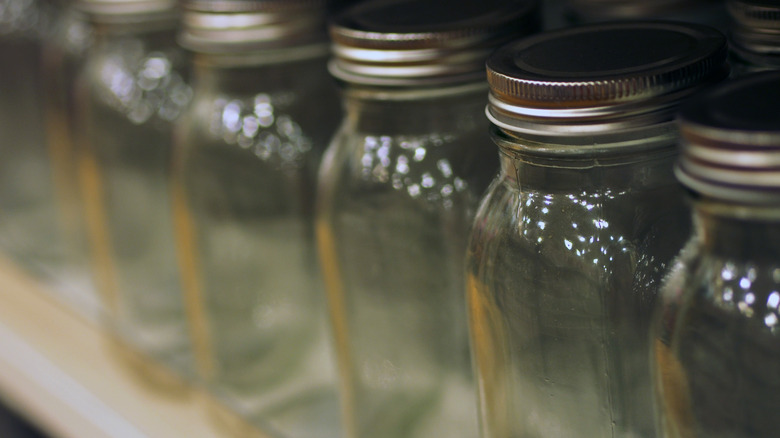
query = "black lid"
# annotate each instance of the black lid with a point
(731, 147)
(406, 42)
(629, 9)
(603, 71)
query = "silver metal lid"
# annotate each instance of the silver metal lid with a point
(756, 13)
(421, 42)
(623, 9)
(731, 141)
(219, 26)
(111, 10)
(601, 78)
(755, 35)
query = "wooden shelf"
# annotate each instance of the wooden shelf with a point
(68, 377)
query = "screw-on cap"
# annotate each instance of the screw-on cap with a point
(623, 9)
(731, 141)
(111, 10)
(420, 42)
(755, 35)
(601, 78)
(221, 26)
(759, 13)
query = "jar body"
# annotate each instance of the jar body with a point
(563, 268)
(63, 56)
(28, 229)
(398, 190)
(245, 174)
(129, 92)
(716, 342)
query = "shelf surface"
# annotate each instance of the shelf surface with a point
(67, 376)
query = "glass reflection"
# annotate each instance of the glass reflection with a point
(410, 168)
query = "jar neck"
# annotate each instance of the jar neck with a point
(152, 25)
(415, 111)
(586, 163)
(288, 73)
(738, 231)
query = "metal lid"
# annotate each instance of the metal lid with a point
(221, 26)
(756, 13)
(614, 9)
(755, 35)
(731, 141)
(110, 10)
(420, 42)
(601, 78)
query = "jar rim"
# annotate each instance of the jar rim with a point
(418, 42)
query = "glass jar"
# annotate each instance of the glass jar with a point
(398, 189)
(571, 241)
(129, 91)
(755, 35)
(63, 54)
(28, 228)
(247, 154)
(716, 336)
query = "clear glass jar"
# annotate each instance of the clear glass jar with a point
(63, 55)
(398, 189)
(754, 35)
(28, 228)
(247, 154)
(571, 241)
(130, 90)
(716, 336)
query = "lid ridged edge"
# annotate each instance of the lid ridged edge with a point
(752, 14)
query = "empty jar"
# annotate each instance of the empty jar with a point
(717, 332)
(29, 231)
(63, 55)
(571, 241)
(129, 91)
(247, 154)
(755, 35)
(398, 189)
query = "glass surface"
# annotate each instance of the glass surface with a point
(247, 156)
(563, 268)
(399, 187)
(716, 338)
(130, 92)
(28, 231)
(63, 54)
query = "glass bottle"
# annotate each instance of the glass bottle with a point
(128, 93)
(247, 154)
(570, 241)
(398, 189)
(755, 35)
(716, 336)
